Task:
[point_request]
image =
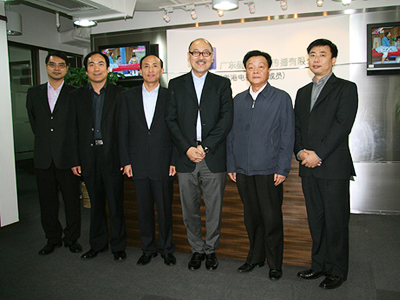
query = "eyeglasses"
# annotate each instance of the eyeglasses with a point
(205, 53)
(53, 65)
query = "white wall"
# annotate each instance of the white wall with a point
(8, 189)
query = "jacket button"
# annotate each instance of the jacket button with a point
(52, 117)
(92, 129)
(91, 145)
(51, 129)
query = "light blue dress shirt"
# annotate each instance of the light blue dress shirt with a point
(149, 103)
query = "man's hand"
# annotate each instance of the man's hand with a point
(279, 179)
(172, 171)
(310, 159)
(196, 154)
(128, 171)
(76, 170)
(232, 176)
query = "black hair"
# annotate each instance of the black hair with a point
(257, 53)
(162, 64)
(323, 42)
(58, 54)
(85, 60)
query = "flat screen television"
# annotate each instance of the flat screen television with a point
(383, 44)
(125, 58)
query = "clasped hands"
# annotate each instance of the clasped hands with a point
(196, 154)
(309, 159)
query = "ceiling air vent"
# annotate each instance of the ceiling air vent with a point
(65, 5)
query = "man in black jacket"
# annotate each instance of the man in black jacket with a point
(48, 107)
(96, 155)
(146, 155)
(199, 116)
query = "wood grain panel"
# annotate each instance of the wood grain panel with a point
(234, 242)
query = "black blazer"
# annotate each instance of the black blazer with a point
(82, 129)
(50, 129)
(149, 151)
(216, 111)
(326, 128)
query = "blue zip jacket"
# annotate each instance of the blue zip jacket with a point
(262, 136)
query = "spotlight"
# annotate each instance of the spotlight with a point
(193, 14)
(284, 5)
(320, 3)
(346, 2)
(220, 12)
(84, 23)
(225, 4)
(252, 8)
(166, 17)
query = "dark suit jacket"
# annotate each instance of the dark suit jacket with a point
(149, 151)
(326, 128)
(82, 129)
(50, 129)
(216, 111)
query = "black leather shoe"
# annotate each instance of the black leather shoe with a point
(74, 247)
(146, 258)
(169, 259)
(246, 267)
(49, 248)
(92, 253)
(275, 274)
(309, 274)
(211, 261)
(119, 255)
(195, 261)
(331, 282)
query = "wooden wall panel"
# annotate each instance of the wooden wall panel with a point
(234, 241)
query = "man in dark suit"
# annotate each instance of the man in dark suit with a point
(146, 155)
(324, 115)
(96, 155)
(199, 116)
(48, 107)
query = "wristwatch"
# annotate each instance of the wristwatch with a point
(206, 150)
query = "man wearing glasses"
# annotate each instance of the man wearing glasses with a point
(48, 107)
(199, 116)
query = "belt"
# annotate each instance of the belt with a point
(98, 142)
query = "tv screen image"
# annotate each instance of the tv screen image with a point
(125, 59)
(383, 40)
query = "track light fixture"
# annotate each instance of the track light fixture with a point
(220, 13)
(193, 14)
(284, 5)
(320, 3)
(252, 7)
(166, 17)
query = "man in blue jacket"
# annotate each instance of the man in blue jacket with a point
(259, 154)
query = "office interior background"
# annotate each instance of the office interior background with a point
(285, 34)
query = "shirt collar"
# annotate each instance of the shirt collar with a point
(57, 89)
(101, 90)
(323, 80)
(199, 79)
(144, 90)
(253, 94)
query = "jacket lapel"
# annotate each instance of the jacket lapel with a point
(326, 90)
(108, 101)
(138, 106)
(189, 86)
(61, 98)
(159, 111)
(44, 99)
